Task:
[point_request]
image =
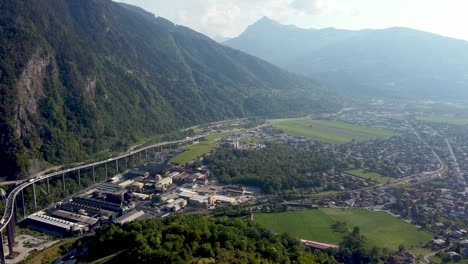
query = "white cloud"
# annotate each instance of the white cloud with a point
(310, 7)
(229, 18)
(223, 17)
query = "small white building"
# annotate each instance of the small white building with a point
(125, 184)
(176, 205)
(141, 196)
(129, 217)
(199, 201)
(173, 174)
(221, 199)
(163, 184)
(138, 185)
(438, 242)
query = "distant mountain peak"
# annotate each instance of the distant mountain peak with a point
(266, 19)
(265, 22)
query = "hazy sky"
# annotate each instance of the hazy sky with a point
(230, 17)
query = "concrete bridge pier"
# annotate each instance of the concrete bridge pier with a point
(133, 160)
(34, 195)
(94, 175)
(126, 163)
(79, 178)
(11, 237)
(146, 155)
(63, 181)
(139, 155)
(117, 165)
(48, 186)
(15, 214)
(23, 205)
(2, 251)
(106, 171)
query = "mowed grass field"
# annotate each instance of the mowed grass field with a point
(334, 132)
(369, 175)
(381, 229)
(445, 120)
(197, 150)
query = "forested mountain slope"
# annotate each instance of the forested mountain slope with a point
(77, 77)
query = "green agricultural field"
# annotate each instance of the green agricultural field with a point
(381, 229)
(445, 120)
(197, 150)
(369, 175)
(334, 132)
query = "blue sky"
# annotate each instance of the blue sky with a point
(229, 18)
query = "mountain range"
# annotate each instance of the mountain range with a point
(387, 63)
(80, 77)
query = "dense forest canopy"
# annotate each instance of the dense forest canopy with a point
(188, 239)
(274, 168)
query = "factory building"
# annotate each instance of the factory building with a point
(234, 190)
(58, 227)
(129, 217)
(137, 173)
(114, 207)
(88, 221)
(200, 201)
(105, 188)
(83, 209)
(187, 194)
(117, 197)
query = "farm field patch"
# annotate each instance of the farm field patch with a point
(369, 175)
(335, 132)
(380, 228)
(199, 149)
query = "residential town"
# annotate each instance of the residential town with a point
(423, 184)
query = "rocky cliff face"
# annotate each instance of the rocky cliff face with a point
(30, 89)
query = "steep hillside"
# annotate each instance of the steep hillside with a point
(394, 62)
(77, 77)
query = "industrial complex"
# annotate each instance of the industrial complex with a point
(138, 193)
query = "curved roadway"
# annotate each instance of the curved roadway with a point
(10, 201)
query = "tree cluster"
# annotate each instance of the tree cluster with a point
(192, 239)
(274, 168)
